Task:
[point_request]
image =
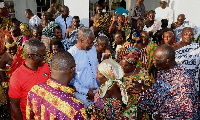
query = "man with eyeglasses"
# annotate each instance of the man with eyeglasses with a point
(34, 70)
(173, 95)
(56, 93)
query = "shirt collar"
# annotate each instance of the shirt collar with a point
(59, 86)
(63, 18)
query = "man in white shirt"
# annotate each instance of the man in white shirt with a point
(64, 20)
(164, 12)
(85, 56)
(34, 20)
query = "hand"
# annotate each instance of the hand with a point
(134, 90)
(115, 16)
(90, 94)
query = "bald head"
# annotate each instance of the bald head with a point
(165, 52)
(62, 62)
(187, 29)
(180, 19)
(181, 16)
(187, 35)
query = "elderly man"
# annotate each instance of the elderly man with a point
(173, 95)
(180, 25)
(31, 72)
(168, 38)
(164, 12)
(85, 56)
(56, 93)
(64, 20)
(188, 54)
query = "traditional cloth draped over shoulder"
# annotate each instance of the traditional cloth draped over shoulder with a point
(189, 57)
(173, 87)
(114, 72)
(132, 56)
(48, 31)
(73, 38)
(103, 23)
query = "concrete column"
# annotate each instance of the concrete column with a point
(79, 8)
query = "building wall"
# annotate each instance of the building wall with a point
(21, 5)
(79, 8)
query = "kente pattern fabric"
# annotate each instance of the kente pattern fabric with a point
(173, 95)
(53, 100)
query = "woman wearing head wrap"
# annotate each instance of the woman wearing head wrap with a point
(24, 27)
(136, 80)
(111, 94)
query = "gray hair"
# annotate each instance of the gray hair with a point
(62, 61)
(84, 33)
(33, 45)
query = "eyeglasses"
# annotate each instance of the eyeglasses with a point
(38, 56)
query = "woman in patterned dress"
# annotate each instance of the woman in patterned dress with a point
(109, 100)
(136, 80)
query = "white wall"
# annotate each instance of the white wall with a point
(21, 5)
(79, 8)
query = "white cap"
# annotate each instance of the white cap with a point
(165, 1)
(1, 5)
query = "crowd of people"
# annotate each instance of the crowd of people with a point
(56, 68)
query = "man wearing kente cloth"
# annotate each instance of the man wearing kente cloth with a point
(54, 99)
(101, 20)
(11, 59)
(120, 20)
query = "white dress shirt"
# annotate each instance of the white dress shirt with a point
(34, 21)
